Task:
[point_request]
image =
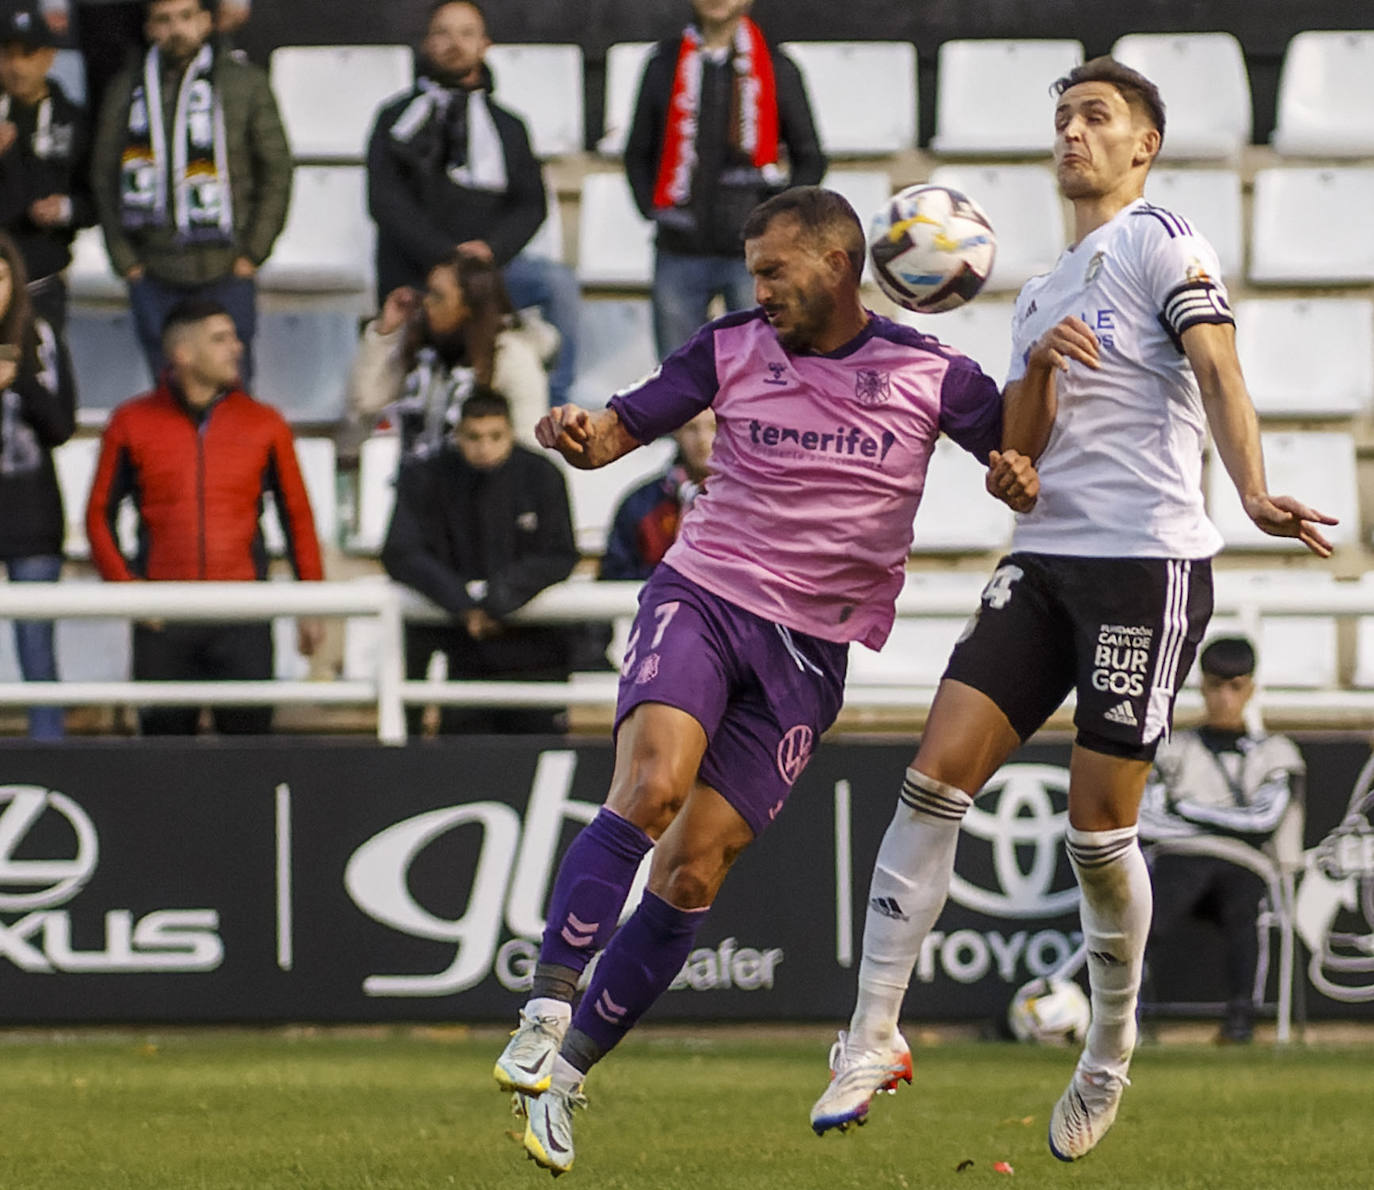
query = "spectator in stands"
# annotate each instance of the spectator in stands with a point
(449, 167)
(1234, 788)
(423, 354)
(192, 199)
(647, 520)
(481, 529)
(109, 31)
(44, 162)
(37, 413)
(196, 456)
(733, 103)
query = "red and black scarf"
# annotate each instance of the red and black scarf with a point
(753, 111)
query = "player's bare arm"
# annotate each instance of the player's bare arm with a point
(586, 439)
(1012, 478)
(1029, 404)
(1211, 350)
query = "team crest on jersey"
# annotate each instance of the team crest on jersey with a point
(872, 387)
(1094, 267)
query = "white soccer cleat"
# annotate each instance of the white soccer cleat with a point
(526, 1064)
(1085, 1111)
(855, 1077)
(548, 1128)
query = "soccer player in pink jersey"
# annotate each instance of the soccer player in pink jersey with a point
(826, 417)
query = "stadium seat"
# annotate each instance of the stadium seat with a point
(1295, 652)
(75, 461)
(1316, 467)
(624, 66)
(615, 242)
(1326, 96)
(378, 458)
(93, 650)
(90, 274)
(1307, 357)
(981, 330)
(1312, 227)
(866, 189)
(302, 359)
(1013, 118)
(329, 94)
(1210, 199)
(543, 85)
(328, 244)
(69, 70)
(1203, 79)
(1023, 203)
(915, 654)
(107, 360)
(316, 459)
(616, 349)
(863, 94)
(956, 513)
(547, 243)
(1363, 676)
(595, 495)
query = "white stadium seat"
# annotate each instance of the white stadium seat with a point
(1316, 467)
(595, 495)
(107, 360)
(75, 462)
(1023, 204)
(1326, 95)
(981, 330)
(547, 243)
(867, 191)
(329, 95)
(90, 274)
(863, 94)
(328, 243)
(1210, 199)
(1204, 82)
(1296, 652)
(69, 70)
(1312, 227)
(316, 459)
(993, 97)
(303, 357)
(1363, 677)
(624, 66)
(378, 458)
(914, 655)
(615, 242)
(93, 650)
(1307, 357)
(956, 513)
(542, 84)
(616, 349)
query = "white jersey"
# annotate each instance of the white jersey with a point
(1121, 475)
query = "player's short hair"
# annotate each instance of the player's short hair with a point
(1141, 95)
(188, 312)
(825, 216)
(1228, 657)
(484, 402)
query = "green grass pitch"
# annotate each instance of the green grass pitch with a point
(701, 1110)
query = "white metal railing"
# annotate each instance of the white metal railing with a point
(574, 601)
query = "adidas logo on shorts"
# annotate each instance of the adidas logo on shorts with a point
(1122, 713)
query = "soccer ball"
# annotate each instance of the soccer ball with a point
(932, 248)
(1050, 1012)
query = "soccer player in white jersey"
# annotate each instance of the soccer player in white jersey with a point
(1130, 342)
(826, 416)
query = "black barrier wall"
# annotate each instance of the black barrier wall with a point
(343, 881)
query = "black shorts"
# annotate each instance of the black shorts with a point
(1122, 631)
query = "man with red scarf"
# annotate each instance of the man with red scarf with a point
(715, 105)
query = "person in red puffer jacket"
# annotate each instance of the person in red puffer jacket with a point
(196, 456)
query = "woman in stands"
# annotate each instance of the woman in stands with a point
(422, 355)
(37, 413)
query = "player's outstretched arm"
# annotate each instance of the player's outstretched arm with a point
(586, 439)
(1030, 403)
(1211, 349)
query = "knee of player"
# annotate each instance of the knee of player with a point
(688, 884)
(650, 799)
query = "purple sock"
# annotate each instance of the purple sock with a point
(642, 960)
(590, 889)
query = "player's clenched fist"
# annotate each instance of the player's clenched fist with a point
(1012, 478)
(566, 429)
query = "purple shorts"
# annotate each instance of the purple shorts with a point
(763, 693)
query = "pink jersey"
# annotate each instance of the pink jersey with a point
(818, 466)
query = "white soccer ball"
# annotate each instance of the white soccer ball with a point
(1050, 1012)
(932, 248)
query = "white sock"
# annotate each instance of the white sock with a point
(546, 1006)
(1116, 907)
(910, 884)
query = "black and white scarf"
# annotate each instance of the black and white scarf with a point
(454, 128)
(202, 209)
(430, 403)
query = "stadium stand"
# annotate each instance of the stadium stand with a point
(614, 241)
(618, 345)
(378, 458)
(594, 495)
(863, 94)
(866, 190)
(981, 330)
(1307, 357)
(1311, 227)
(1326, 96)
(543, 85)
(328, 94)
(109, 366)
(1211, 199)
(624, 65)
(303, 358)
(955, 514)
(328, 243)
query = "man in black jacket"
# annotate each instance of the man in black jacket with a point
(45, 194)
(481, 530)
(715, 104)
(448, 167)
